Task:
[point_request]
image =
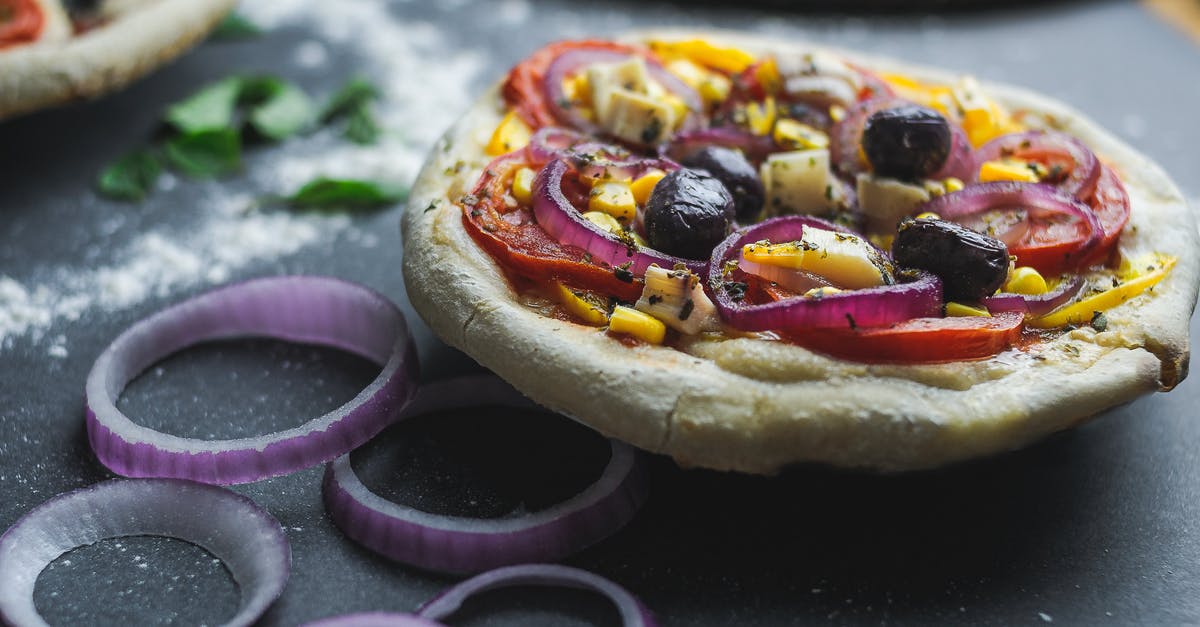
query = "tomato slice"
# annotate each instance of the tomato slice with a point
(511, 235)
(524, 91)
(1111, 204)
(21, 22)
(1050, 244)
(921, 340)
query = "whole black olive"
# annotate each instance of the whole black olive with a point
(740, 178)
(908, 142)
(971, 265)
(688, 214)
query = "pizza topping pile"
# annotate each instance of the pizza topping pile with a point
(685, 188)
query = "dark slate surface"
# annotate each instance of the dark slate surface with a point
(1096, 526)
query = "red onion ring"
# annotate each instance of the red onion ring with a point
(551, 142)
(247, 539)
(1038, 305)
(1081, 182)
(1037, 199)
(871, 307)
(754, 147)
(845, 137)
(374, 619)
(317, 310)
(572, 60)
(457, 544)
(633, 613)
(960, 164)
(558, 217)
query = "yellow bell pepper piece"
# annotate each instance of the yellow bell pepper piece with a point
(1083, 311)
(511, 134)
(730, 60)
(761, 117)
(614, 198)
(959, 310)
(1026, 280)
(522, 186)
(794, 135)
(1008, 170)
(578, 306)
(768, 76)
(642, 187)
(640, 325)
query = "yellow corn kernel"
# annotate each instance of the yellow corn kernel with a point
(1007, 170)
(761, 117)
(577, 89)
(642, 326)
(768, 76)
(522, 185)
(715, 88)
(821, 292)
(602, 220)
(794, 135)
(837, 113)
(511, 134)
(615, 199)
(959, 310)
(952, 185)
(1085, 310)
(1026, 280)
(928, 215)
(642, 187)
(577, 305)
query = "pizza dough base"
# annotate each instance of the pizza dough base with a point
(756, 406)
(53, 72)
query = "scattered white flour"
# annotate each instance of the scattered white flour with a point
(425, 79)
(1046, 618)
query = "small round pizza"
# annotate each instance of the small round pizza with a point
(747, 253)
(55, 51)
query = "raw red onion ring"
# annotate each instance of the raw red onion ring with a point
(1038, 305)
(572, 60)
(551, 142)
(633, 613)
(558, 217)
(960, 163)
(877, 306)
(248, 540)
(754, 147)
(317, 310)
(1085, 170)
(374, 619)
(459, 544)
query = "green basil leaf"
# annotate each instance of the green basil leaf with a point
(355, 94)
(361, 127)
(131, 176)
(236, 26)
(283, 113)
(207, 153)
(208, 109)
(327, 193)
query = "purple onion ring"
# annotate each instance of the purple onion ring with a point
(316, 310)
(559, 218)
(633, 613)
(457, 544)
(871, 307)
(374, 619)
(756, 148)
(1081, 182)
(1038, 305)
(248, 540)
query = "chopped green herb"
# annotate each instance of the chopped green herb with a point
(284, 111)
(327, 193)
(1099, 321)
(210, 108)
(236, 26)
(361, 127)
(356, 93)
(131, 176)
(206, 153)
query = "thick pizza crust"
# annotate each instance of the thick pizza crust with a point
(146, 36)
(755, 406)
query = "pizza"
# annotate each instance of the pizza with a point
(55, 51)
(745, 253)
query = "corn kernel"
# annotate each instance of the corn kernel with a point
(602, 220)
(615, 199)
(522, 186)
(792, 134)
(821, 292)
(952, 185)
(1026, 280)
(577, 305)
(959, 310)
(761, 117)
(715, 88)
(642, 187)
(511, 134)
(837, 113)
(928, 215)
(1007, 170)
(768, 76)
(641, 326)
(577, 89)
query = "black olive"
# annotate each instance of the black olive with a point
(688, 214)
(740, 178)
(971, 265)
(908, 142)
